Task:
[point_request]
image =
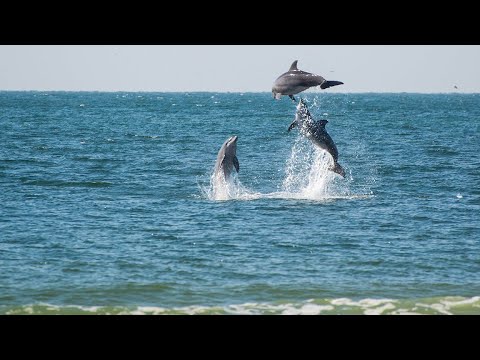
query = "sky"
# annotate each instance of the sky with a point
(238, 68)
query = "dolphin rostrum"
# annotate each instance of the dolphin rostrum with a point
(316, 132)
(295, 81)
(227, 158)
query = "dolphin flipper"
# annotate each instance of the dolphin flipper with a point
(292, 125)
(293, 98)
(326, 84)
(236, 163)
(321, 123)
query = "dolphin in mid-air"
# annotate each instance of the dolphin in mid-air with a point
(227, 158)
(294, 81)
(316, 132)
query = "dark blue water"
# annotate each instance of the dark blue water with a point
(106, 204)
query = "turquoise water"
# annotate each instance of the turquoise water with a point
(107, 205)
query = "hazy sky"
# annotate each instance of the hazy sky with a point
(379, 68)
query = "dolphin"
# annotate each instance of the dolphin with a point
(294, 81)
(316, 132)
(227, 158)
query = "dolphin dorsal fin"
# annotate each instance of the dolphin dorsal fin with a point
(322, 123)
(293, 67)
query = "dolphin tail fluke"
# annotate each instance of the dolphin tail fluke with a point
(326, 84)
(338, 169)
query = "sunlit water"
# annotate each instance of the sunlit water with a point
(109, 205)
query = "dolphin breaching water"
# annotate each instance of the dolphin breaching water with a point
(227, 158)
(316, 132)
(294, 81)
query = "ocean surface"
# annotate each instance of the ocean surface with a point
(108, 205)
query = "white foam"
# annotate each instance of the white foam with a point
(148, 310)
(379, 310)
(446, 305)
(151, 309)
(342, 301)
(307, 309)
(228, 189)
(450, 302)
(440, 308)
(368, 306)
(404, 312)
(28, 309)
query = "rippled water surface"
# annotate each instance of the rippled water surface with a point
(108, 205)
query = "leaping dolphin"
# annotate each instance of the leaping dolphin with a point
(294, 81)
(316, 132)
(227, 158)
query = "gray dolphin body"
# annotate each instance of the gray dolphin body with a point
(227, 158)
(294, 81)
(316, 132)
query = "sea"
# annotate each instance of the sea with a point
(109, 204)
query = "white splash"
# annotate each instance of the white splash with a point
(308, 175)
(228, 189)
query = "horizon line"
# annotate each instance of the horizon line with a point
(236, 92)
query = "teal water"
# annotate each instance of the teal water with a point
(107, 205)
